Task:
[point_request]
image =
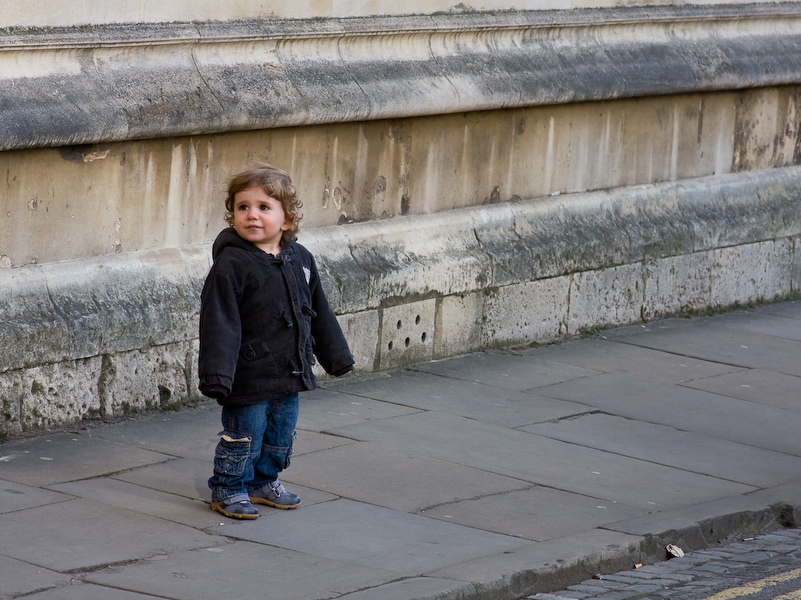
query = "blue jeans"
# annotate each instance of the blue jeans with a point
(255, 445)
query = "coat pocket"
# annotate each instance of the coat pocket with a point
(256, 362)
(253, 352)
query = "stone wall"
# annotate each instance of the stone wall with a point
(469, 181)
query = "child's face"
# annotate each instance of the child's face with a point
(260, 219)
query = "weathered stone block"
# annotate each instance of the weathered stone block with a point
(796, 266)
(60, 393)
(345, 283)
(32, 332)
(459, 324)
(420, 256)
(723, 211)
(652, 221)
(361, 329)
(573, 233)
(407, 334)
(779, 201)
(510, 257)
(677, 285)
(751, 273)
(768, 127)
(604, 298)
(155, 377)
(11, 394)
(536, 311)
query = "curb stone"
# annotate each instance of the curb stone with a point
(573, 576)
(709, 550)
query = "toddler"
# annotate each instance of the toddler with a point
(263, 319)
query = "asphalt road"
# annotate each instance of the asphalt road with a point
(770, 581)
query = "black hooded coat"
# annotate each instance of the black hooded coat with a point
(263, 319)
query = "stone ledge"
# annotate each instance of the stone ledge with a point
(380, 263)
(87, 86)
(104, 336)
(67, 311)
(651, 250)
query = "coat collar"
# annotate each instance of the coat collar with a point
(228, 238)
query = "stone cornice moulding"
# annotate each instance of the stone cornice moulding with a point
(88, 85)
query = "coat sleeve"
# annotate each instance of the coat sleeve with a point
(220, 336)
(330, 345)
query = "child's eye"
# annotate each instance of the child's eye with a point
(265, 207)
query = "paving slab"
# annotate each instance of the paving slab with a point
(19, 578)
(755, 385)
(219, 573)
(307, 441)
(536, 513)
(545, 461)
(404, 544)
(607, 356)
(512, 371)
(394, 478)
(543, 565)
(726, 517)
(712, 340)
(68, 457)
(189, 433)
(14, 496)
(323, 409)
(668, 446)
(417, 587)
(683, 408)
(759, 321)
(84, 534)
(136, 498)
(425, 391)
(87, 591)
(791, 309)
(743, 511)
(185, 477)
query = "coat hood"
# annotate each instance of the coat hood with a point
(229, 237)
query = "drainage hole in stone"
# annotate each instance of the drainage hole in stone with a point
(389, 346)
(400, 324)
(407, 341)
(417, 320)
(423, 337)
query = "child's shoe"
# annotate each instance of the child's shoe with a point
(273, 494)
(236, 507)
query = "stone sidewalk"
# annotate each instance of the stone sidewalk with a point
(494, 476)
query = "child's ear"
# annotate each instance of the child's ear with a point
(289, 220)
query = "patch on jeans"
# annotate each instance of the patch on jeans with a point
(231, 455)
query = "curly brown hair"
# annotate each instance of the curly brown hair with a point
(274, 182)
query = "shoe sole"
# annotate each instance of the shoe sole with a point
(222, 511)
(273, 504)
